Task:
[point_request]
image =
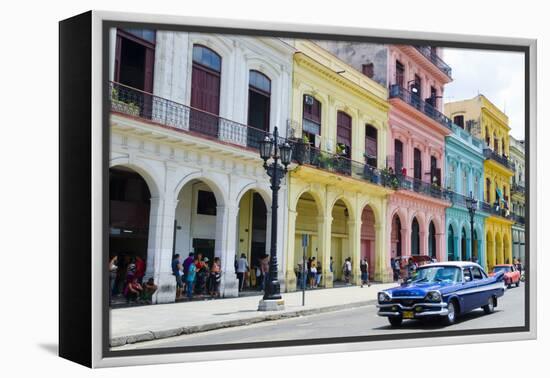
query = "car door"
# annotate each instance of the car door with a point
(468, 291)
(481, 296)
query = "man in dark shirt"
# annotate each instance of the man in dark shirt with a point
(177, 272)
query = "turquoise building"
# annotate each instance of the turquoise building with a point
(464, 177)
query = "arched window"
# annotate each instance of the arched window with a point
(259, 103)
(311, 123)
(487, 137)
(495, 143)
(205, 91)
(343, 133)
(371, 145)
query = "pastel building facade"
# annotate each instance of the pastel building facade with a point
(464, 166)
(517, 155)
(187, 111)
(415, 77)
(488, 123)
(340, 118)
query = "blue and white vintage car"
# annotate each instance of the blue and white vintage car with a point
(441, 290)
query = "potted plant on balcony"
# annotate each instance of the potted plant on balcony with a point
(127, 107)
(389, 178)
(326, 161)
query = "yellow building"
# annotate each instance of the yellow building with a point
(335, 195)
(485, 121)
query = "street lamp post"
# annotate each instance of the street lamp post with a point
(471, 204)
(272, 150)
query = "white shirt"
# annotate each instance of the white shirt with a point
(242, 265)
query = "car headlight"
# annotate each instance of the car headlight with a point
(433, 296)
(383, 297)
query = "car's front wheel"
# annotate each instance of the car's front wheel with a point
(490, 306)
(395, 321)
(450, 318)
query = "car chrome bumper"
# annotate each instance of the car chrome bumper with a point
(440, 311)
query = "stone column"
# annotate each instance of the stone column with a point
(423, 243)
(159, 249)
(405, 241)
(383, 270)
(354, 234)
(441, 242)
(324, 225)
(469, 250)
(225, 248)
(458, 250)
(290, 276)
(481, 255)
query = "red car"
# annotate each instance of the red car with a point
(511, 274)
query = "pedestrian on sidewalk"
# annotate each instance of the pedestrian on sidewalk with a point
(319, 274)
(149, 289)
(264, 266)
(133, 290)
(113, 269)
(364, 272)
(190, 278)
(347, 271)
(177, 271)
(331, 268)
(215, 278)
(242, 268)
(312, 272)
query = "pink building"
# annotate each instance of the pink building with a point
(416, 151)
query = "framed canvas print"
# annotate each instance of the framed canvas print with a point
(237, 189)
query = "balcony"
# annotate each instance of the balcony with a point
(520, 219)
(494, 209)
(430, 54)
(518, 188)
(139, 104)
(502, 160)
(414, 100)
(305, 154)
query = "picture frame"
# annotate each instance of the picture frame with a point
(86, 98)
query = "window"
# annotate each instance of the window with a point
(417, 164)
(134, 58)
(206, 203)
(464, 182)
(477, 274)
(435, 173)
(488, 190)
(467, 275)
(459, 121)
(418, 85)
(368, 70)
(399, 73)
(205, 91)
(311, 124)
(343, 133)
(415, 238)
(398, 148)
(259, 101)
(145, 34)
(371, 145)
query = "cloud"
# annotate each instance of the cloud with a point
(498, 75)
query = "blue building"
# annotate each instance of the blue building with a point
(464, 178)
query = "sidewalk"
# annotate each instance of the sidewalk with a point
(144, 323)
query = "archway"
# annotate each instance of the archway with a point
(340, 246)
(415, 237)
(368, 238)
(432, 244)
(499, 249)
(463, 245)
(491, 258)
(396, 237)
(252, 234)
(307, 223)
(129, 209)
(450, 244)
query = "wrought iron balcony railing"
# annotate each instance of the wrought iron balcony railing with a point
(503, 160)
(136, 103)
(518, 218)
(494, 209)
(396, 91)
(518, 188)
(305, 153)
(430, 53)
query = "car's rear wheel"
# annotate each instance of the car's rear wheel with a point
(395, 321)
(450, 318)
(517, 283)
(490, 306)
(509, 284)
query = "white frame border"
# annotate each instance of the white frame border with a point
(97, 201)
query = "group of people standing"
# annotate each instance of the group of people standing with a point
(311, 277)
(195, 276)
(403, 269)
(126, 278)
(254, 277)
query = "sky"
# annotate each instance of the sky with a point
(497, 75)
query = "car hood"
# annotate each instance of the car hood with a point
(419, 289)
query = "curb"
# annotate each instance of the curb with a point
(186, 330)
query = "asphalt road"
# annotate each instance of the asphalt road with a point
(354, 322)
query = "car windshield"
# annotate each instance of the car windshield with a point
(502, 269)
(447, 274)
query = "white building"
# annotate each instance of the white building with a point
(187, 110)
